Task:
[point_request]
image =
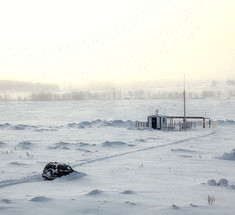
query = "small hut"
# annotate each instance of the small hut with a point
(157, 121)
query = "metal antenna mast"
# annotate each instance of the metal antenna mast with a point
(184, 123)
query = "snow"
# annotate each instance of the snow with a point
(212, 182)
(72, 176)
(223, 182)
(115, 143)
(128, 192)
(2, 144)
(99, 123)
(228, 156)
(25, 145)
(94, 192)
(184, 150)
(40, 199)
(120, 170)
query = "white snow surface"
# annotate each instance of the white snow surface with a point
(228, 156)
(120, 170)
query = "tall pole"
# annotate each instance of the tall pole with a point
(184, 123)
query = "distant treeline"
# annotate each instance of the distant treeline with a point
(21, 86)
(16, 90)
(115, 95)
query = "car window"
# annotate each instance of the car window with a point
(63, 167)
(49, 166)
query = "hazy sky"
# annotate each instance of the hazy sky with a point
(75, 41)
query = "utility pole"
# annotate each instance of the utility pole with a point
(184, 123)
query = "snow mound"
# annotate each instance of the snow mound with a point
(25, 145)
(45, 129)
(228, 156)
(94, 192)
(175, 207)
(5, 126)
(212, 182)
(6, 201)
(84, 124)
(140, 140)
(183, 150)
(128, 192)
(226, 122)
(82, 144)
(40, 199)
(103, 123)
(223, 182)
(83, 150)
(2, 144)
(11, 127)
(23, 127)
(115, 144)
(99, 123)
(130, 203)
(17, 164)
(112, 123)
(232, 187)
(120, 123)
(193, 205)
(16, 127)
(60, 145)
(72, 176)
(68, 146)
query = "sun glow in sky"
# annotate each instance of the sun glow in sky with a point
(75, 42)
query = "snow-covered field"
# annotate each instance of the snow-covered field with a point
(121, 170)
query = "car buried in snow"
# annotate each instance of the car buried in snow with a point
(54, 169)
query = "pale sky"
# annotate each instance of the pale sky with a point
(77, 41)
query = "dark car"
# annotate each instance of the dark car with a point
(54, 169)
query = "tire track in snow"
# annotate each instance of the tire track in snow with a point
(38, 178)
(143, 149)
(27, 179)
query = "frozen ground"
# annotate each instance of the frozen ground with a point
(121, 170)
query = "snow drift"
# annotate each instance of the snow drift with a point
(226, 122)
(40, 199)
(16, 127)
(2, 144)
(25, 145)
(72, 176)
(115, 144)
(103, 123)
(60, 145)
(94, 192)
(228, 156)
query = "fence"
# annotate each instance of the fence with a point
(179, 125)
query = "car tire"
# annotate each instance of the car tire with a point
(50, 174)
